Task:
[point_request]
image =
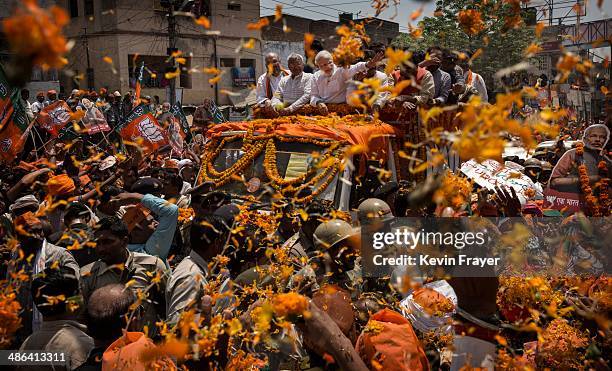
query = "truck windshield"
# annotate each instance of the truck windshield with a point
(292, 160)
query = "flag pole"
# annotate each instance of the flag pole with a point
(27, 131)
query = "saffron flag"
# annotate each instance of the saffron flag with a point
(54, 117)
(6, 101)
(141, 127)
(139, 85)
(13, 121)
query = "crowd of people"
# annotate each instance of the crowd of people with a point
(122, 260)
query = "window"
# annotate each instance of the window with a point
(228, 62)
(202, 8)
(108, 5)
(185, 75)
(245, 63)
(74, 8)
(153, 76)
(233, 6)
(89, 7)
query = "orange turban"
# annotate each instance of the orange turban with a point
(390, 341)
(27, 219)
(60, 185)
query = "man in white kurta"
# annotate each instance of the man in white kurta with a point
(294, 90)
(268, 82)
(330, 82)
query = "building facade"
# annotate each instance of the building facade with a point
(131, 31)
(287, 37)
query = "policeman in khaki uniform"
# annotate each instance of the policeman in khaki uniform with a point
(117, 264)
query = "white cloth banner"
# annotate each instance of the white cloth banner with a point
(490, 174)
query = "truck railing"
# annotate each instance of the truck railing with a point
(410, 128)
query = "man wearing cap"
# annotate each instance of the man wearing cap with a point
(39, 104)
(38, 254)
(118, 265)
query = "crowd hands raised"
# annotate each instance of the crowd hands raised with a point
(122, 263)
(437, 77)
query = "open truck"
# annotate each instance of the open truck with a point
(338, 159)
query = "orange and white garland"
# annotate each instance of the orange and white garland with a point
(601, 206)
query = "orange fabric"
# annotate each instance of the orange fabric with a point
(410, 89)
(85, 180)
(60, 185)
(12, 140)
(27, 219)
(125, 354)
(54, 117)
(134, 215)
(370, 135)
(146, 132)
(392, 343)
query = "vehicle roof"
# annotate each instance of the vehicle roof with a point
(373, 134)
(552, 143)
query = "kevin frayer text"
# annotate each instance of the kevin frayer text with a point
(427, 260)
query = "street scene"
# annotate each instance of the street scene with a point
(305, 185)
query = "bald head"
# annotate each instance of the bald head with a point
(105, 308)
(273, 63)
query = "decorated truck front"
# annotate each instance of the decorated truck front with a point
(299, 158)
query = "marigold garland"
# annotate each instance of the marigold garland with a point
(185, 214)
(254, 145)
(9, 317)
(598, 207)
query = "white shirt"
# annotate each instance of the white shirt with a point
(478, 83)
(382, 96)
(294, 91)
(332, 88)
(261, 86)
(37, 106)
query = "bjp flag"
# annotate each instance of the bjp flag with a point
(141, 127)
(13, 134)
(13, 120)
(54, 117)
(6, 100)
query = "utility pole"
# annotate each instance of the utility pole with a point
(171, 49)
(89, 71)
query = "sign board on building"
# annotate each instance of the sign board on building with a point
(243, 76)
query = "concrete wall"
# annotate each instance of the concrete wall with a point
(136, 27)
(283, 49)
